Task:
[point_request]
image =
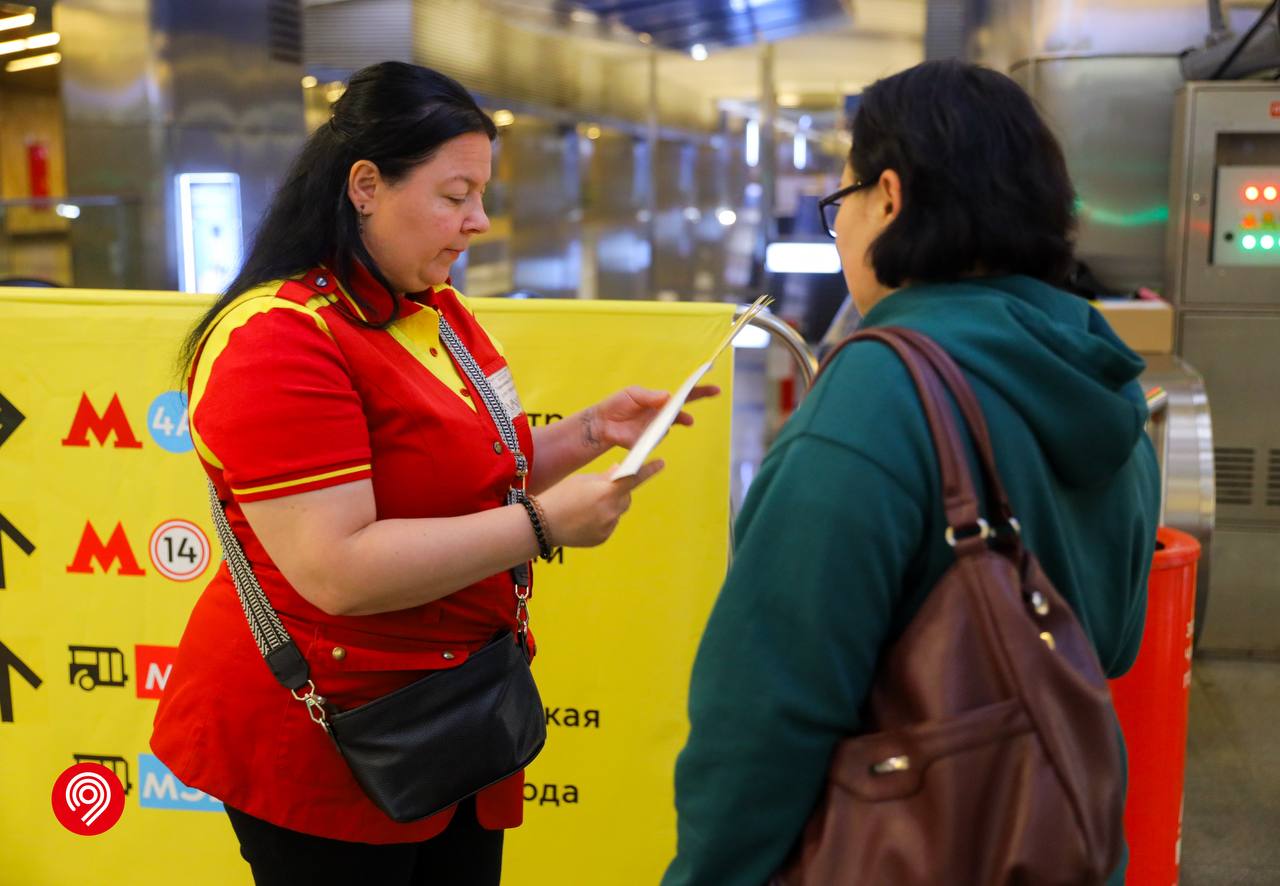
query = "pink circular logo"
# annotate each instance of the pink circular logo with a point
(88, 799)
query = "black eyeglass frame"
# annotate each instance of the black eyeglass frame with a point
(833, 199)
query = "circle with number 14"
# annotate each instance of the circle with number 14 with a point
(179, 550)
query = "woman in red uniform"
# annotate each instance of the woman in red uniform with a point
(365, 480)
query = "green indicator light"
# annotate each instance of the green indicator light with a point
(1248, 241)
(1267, 241)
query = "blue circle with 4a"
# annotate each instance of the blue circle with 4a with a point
(167, 422)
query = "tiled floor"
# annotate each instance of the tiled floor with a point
(1231, 818)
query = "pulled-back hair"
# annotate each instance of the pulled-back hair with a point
(392, 114)
(984, 184)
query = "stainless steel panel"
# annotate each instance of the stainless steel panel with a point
(132, 248)
(541, 178)
(1113, 117)
(615, 216)
(948, 28)
(1238, 355)
(495, 53)
(343, 37)
(262, 159)
(677, 213)
(569, 215)
(225, 70)
(163, 87)
(1244, 609)
(1208, 115)
(110, 71)
(1018, 29)
(1228, 327)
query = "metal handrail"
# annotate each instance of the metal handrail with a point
(805, 361)
(789, 338)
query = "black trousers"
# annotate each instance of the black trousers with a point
(465, 854)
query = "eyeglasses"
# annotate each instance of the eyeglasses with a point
(829, 205)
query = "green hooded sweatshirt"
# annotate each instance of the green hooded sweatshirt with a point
(841, 538)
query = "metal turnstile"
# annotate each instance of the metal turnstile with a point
(1224, 277)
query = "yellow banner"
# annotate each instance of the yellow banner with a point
(105, 543)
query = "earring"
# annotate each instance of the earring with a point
(360, 220)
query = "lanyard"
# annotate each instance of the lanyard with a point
(505, 425)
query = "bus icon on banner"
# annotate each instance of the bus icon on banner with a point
(93, 666)
(162, 790)
(118, 765)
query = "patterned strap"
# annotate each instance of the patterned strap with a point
(506, 427)
(273, 640)
(521, 575)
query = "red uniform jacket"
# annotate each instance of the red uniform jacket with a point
(289, 395)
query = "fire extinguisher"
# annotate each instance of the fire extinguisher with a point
(38, 167)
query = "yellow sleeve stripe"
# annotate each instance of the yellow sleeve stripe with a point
(254, 302)
(272, 487)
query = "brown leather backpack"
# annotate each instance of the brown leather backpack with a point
(992, 751)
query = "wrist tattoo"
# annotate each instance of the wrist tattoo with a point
(590, 438)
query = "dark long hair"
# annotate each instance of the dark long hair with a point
(984, 182)
(392, 114)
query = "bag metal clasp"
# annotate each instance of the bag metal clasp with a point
(315, 705)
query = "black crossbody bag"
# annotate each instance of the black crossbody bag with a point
(430, 744)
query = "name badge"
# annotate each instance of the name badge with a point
(505, 387)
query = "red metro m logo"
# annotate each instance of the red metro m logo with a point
(113, 421)
(115, 550)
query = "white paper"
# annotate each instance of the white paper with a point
(652, 435)
(657, 429)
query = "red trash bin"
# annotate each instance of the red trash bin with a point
(1151, 701)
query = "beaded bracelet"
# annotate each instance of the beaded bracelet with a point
(546, 529)
(539, 520)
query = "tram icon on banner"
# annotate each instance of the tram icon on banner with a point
(93, 666)
(118, 765)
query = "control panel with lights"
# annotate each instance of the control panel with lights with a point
(1247, 216)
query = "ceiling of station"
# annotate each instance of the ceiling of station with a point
(682, 24)
(708, 52)
(812, 71)
(823, 49)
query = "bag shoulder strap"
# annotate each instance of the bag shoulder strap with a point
(274, 642)
(279, 650)
(934, 373)
(1000, 511)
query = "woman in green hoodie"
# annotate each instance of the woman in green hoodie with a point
(955, 218)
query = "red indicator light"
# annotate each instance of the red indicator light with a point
(1251, 193)
(1269, 192)
(1250, 221)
